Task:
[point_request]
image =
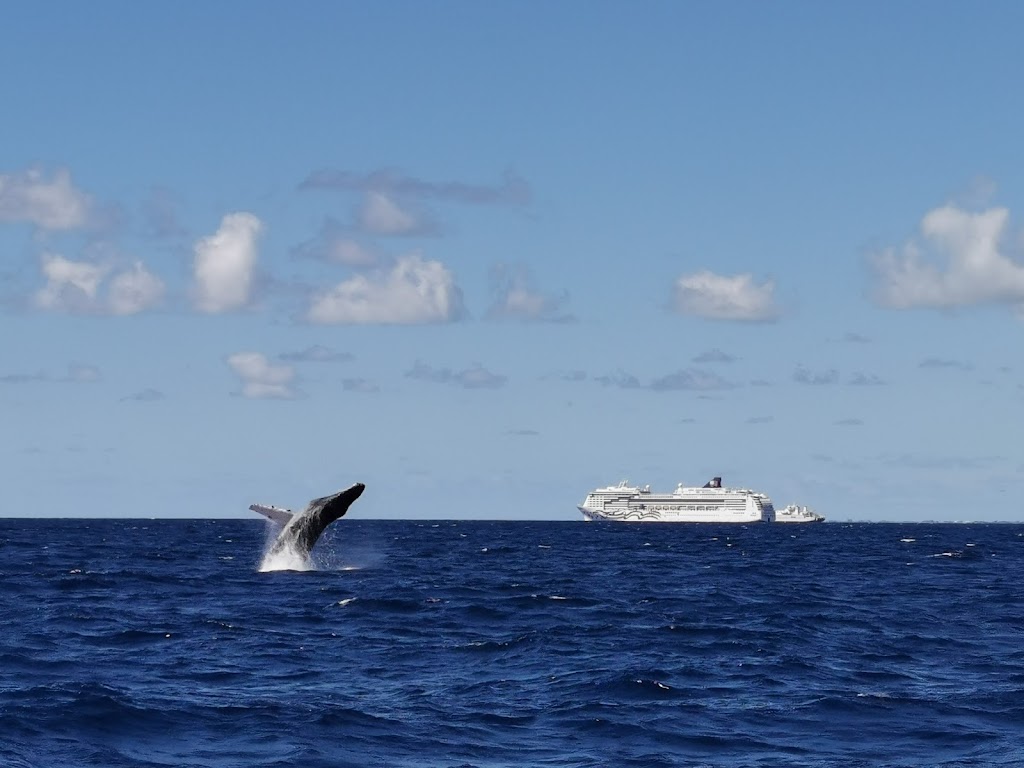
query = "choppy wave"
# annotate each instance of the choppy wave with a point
(163, 643)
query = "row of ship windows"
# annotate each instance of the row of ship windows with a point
(685, 508)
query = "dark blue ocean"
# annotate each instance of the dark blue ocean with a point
(159, 643)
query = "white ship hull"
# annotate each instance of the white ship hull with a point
(672, 516)
(710, 504)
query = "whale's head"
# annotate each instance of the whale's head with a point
(338, 504)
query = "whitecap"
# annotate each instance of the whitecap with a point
(907, 541)
(347, 600)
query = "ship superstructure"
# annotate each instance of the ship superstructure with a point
(710, 503)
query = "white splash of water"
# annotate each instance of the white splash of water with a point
(287, 558)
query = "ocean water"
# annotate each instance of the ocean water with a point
(161, 643)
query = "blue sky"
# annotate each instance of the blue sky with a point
(487, 256)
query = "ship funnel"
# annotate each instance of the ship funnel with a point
(714, 482)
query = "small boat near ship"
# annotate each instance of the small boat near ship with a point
(791, 513)
(710, 503)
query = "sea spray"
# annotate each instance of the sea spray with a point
(283, 558)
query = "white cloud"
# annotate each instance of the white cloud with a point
(225, 264)
(133, 291)
(516, 298)
(260, 378)
(414, 291)
(71, 286)
(77, 287)
(719, 297)
(380, 215)
(54, 204)
(960, 263)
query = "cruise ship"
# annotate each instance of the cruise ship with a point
(710, 503)
(791, 513)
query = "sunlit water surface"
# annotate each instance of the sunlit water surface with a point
(162, 643)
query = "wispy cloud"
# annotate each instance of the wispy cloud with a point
(939, 462)
(619, 379)
(687, 379)
(413, 292)
(818, 378)
(958, 260)
(359, 385)
(225, 264)
(714, 356)
(160, 214)
(516, 297)
(82, 372)
(379, 214)
(690, 379)
(261, 378)
(936, 363)
(511, 191)
(335, 244)
(22, 378)
(476, 377)
(855, 338)
(316, 353)
(720, 297)
(144, 396)
(865, 380)
(52, 204)
(77, 373)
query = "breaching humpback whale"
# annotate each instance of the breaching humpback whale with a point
(301, 531)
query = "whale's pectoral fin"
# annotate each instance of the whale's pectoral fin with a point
(277, 514)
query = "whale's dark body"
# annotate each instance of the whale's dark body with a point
(302, 531)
